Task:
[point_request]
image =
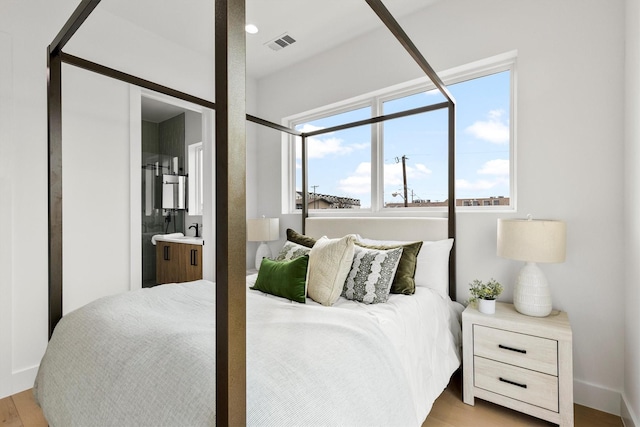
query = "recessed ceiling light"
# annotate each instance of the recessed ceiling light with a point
(251, 29)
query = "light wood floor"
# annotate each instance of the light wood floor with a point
(20, 410)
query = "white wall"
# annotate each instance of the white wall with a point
(95, 185)
(569, 147)
(6, 198)
(23, 233)
(631, 393)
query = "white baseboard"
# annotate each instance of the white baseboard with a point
(629, 419)
(23, 380)
(597, 397)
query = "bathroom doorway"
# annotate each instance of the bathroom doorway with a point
(169, 133)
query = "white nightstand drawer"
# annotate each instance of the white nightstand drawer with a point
(527, 386)
(527, 351)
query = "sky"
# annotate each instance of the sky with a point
(340, 162)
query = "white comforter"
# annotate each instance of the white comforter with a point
(146, 358)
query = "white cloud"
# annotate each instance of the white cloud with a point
(495, 129)
(393, 173)
(359, 182)
(320, 147)
(481, 184)
(463, 184)
(422, 168)
(307, 127)
(495, 167)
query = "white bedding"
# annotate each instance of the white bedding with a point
(147, 358)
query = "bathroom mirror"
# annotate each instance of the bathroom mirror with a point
(174, 192)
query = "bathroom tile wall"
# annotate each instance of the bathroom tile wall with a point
(161, 143)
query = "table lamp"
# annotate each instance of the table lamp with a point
(263, 230)
(532, 241)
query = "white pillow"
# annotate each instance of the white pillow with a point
(432, 266)
(329, 264)
(372, 271)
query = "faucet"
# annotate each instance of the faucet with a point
(197, 227)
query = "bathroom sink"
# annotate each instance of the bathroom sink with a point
(177, 238)
(191, 240)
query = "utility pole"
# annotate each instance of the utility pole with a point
(404, 179)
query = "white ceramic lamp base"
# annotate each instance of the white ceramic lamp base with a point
(262, 252)
(532, 295)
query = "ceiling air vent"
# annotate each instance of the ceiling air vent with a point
(280, 42)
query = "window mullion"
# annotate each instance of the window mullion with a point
(377, 159)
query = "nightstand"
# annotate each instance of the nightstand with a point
(521, 362)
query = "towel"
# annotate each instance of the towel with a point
(156, 236)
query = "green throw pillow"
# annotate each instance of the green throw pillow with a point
(286, 279)
(404, 280)
(300, 239)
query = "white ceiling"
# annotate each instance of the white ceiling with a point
(317, 25)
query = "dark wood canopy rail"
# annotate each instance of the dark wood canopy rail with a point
(230, 162)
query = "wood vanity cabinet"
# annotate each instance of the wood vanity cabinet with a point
(178, 262)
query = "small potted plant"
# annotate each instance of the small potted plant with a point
(485, 294)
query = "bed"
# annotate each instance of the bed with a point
(231, 388)
(145, 357)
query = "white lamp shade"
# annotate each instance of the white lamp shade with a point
(532, 240)
(263, 229)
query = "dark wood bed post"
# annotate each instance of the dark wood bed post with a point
(54, 142)
(452, 200)
(54, 110)
(305, 184)
(230, 212)
(395, 28)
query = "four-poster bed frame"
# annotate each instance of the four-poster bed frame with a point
(230, 164)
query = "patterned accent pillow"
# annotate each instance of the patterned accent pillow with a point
(403, 281)
(371, 274)
(291, 251)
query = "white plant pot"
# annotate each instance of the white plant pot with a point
(486, 306)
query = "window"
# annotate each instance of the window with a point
(196, 190)
(402, 163)
(339, 163)
(415, 153)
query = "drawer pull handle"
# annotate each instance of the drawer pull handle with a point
(504, 347)
(512, 382)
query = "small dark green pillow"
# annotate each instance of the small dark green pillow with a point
(286, 279)
(300, 239)
(404, 281)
